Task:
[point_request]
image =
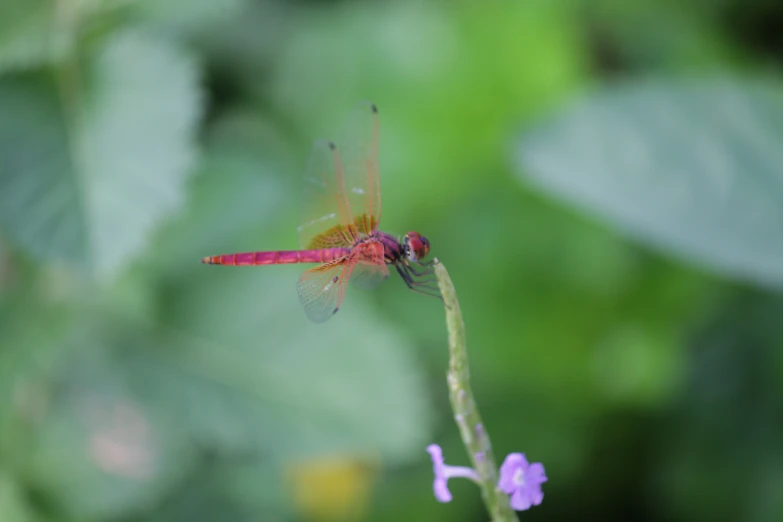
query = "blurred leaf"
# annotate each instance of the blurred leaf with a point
(692, 168)
(261, 376)
(29, 34)
(242, 490)
(87, 182)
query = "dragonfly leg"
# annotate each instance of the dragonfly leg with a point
(424, 281)
(427, 269)
(405, 275)
(410, 276)
(430, 282)
(425, 289)
(420, 286)
(434, 293)
(424, 286)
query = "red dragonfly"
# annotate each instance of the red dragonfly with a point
(339, 226)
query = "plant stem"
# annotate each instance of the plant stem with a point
(474, 435)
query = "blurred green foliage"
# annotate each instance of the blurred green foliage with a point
(625, 332)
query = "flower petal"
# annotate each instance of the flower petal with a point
(537, 496)
(436, 453)
(510, 465)
(536, 473)
(520, 501)
(440, 484)
(441, 490)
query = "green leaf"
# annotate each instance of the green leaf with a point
(89, 167)
(693, 168)
(240, 489)
(264, 377)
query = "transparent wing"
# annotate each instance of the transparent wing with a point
(370, 269)
(359, 150)
(322, 289)
(325, 213)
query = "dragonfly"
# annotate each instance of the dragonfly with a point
(338, 226)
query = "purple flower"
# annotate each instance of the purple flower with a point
(444, 472)
(522, 481)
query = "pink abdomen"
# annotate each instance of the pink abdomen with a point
(279, 257)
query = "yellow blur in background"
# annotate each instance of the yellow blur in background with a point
(332, 487)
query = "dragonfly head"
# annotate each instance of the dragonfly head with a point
(416, 246)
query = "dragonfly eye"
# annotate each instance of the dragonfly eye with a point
(416, 246)
(425, 247)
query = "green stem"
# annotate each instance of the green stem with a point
(474, 435)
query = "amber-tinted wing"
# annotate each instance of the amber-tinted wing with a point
(322, 289)
(358, 145)
(326, 220)
(370, 269)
